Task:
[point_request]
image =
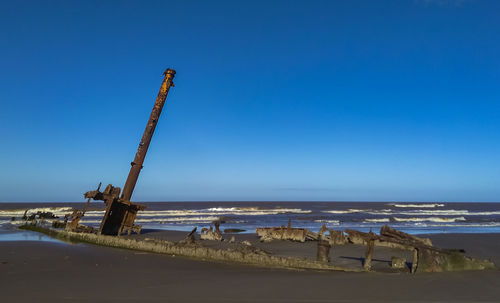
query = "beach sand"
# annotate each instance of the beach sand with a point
(37, 271)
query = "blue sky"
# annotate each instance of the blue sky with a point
(274, 100)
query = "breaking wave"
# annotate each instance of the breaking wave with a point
(417, 212)
(450, 212)
(94, 213)
(179, 220)
(349, 211)
(487, 224)
(250, 211)
(58, 211)
(182, 220)
(330, 222)
(424, 205)
(377, 220)
(428, 219)
(424, 217)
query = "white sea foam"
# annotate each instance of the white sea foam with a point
(58, 211)
(225, 209)
(244, 211)
(379, 212)
(167, 213)
(183, 220)
(94, 213)
(329, 222)
(87, 221)
(202, 219)
(429, 219)
(18, 222)
(487, 224)
(417, 212)
(436, 212)
(251, 211)
(377, 220)
(424, 205)
(452, 212)
(208, 219)
(348, 211)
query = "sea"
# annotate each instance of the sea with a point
(413, 218)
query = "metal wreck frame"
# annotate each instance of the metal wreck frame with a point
(120, 211)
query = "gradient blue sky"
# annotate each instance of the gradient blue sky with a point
(274, 100)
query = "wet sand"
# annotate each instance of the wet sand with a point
(50, 271)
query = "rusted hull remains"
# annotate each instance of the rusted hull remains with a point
(244, 254)
(120, 217)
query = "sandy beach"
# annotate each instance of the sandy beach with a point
(250, 151)
(52, 271)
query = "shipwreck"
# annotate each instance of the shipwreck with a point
(120, 215)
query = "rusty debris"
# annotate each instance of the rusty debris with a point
(337, 237)
(426, 257)
(268, 234)
(76, 216)
(211, 233)
(189, 239)
(120, 211)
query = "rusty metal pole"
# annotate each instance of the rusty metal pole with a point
(148, 134)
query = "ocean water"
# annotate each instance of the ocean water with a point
(413, 218)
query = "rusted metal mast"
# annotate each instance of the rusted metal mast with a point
(120, 212)
(148, 134)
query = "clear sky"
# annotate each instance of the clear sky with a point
(274, 100)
